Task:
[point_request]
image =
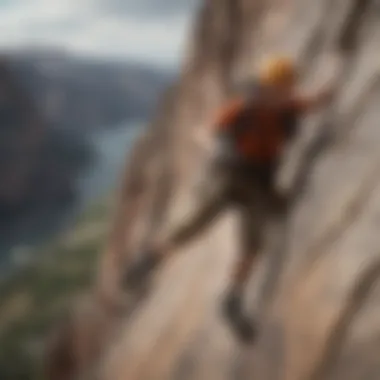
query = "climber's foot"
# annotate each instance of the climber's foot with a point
(139, 272)
(243, 328)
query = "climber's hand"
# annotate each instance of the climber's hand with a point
(226, 153)
(327, 93)
(334, 66)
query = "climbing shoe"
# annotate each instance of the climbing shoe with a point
(139, 272)
(243, 328)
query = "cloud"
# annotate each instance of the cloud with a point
(145, 8)
(148, 30)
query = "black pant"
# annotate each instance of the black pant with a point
(247, 187)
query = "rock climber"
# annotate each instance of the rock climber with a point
(251, 130)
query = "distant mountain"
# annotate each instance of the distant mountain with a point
(49, 102)
(76, 93)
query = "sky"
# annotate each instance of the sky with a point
(152, 31)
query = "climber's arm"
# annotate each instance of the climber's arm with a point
(311, 102)
(223, 132)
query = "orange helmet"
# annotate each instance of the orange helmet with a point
(278, 71)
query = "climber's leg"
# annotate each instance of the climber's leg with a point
(252, 228)
(201, 219)
(203, 216)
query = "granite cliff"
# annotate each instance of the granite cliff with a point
(317, 298)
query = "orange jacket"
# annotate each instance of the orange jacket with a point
(259, 131)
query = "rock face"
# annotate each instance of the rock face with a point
(317, 296)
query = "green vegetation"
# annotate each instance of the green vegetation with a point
(35, 297)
